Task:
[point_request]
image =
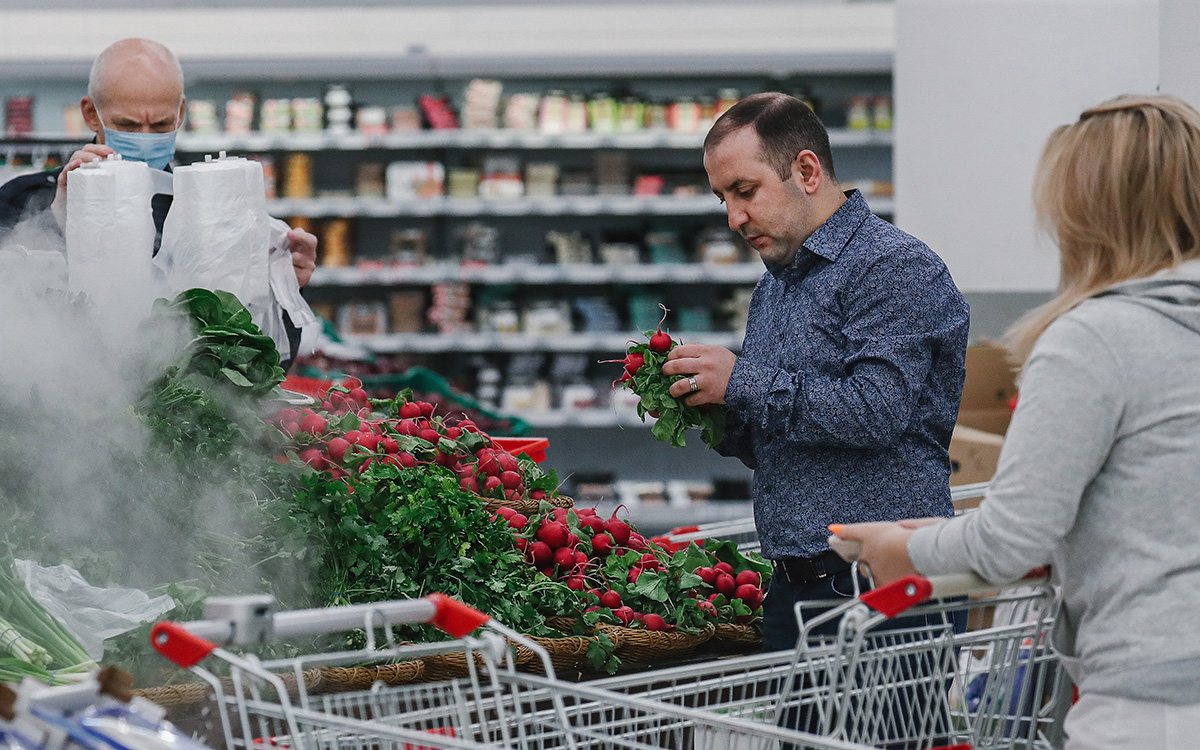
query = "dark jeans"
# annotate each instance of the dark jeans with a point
(894, 710)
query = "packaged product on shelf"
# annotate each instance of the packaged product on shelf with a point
(695, 319)
(481, 103)
(631, 115)
(519, 397)
(478, 244)
(498, 316)
(881, 112)
(369, 181)
(569, 247)
(599, 316)
(546, 318)
(575, 182)
(717, 245)
(883, 188)
(521, 112)
(449, 309)
(339, 109)
(541, 179)
(326, 309)
(335, 243)
(239, 113)
(501, 178)
(726, 98)
(708, 113)
(577, 114)
(437, 112)
(298, 180)
(612, 172)
(858, 113)
(602, 113)
(408, 247)
(75, 126)
(275, 116)
(683, 116)
(406, 311)
(737, 308)
(308, 115)
(268, 167)
(648, 184)
(18, 115)
(579, 397)
(371, 121)
(415, 179)
(362, 319)
(552, 114)
(488, 389)
(464, 183)
(619, 253)
(644, 311)
(666, 245)
(656, 116)
(201, 116)
(405, 119)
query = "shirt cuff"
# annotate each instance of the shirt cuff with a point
(746, 393)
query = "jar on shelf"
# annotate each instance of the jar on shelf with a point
(858, 113)
(298, 182)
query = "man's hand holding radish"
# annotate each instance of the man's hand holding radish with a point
(706, 367)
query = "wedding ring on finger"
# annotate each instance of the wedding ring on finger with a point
(692, 386)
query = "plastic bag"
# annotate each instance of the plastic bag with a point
(89, 613)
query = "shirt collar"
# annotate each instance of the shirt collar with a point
(831, 237)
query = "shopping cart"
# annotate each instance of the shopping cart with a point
(888, 669)
(493, 707)
(744, 532)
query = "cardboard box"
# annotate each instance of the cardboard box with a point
(991, 383)
(973, 457)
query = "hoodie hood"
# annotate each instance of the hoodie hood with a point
(1172, 292)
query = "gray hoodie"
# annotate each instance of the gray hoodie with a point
(1100, 478)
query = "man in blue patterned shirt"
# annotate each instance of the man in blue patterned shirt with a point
(847, 389)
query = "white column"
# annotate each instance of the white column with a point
(1179, 51)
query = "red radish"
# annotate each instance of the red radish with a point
(313, 424)
(426, 408)
(586, 513)
(724, 567)
(618, 530)
(409, 411)
(602, 544)
(506, 511)
(467, 426)
(290, 428)
(554, 533)
(577, 583)
(581, 557)
(517, 521)
(655, 622)
(610, 599)
(408, 427)
(707, 608)
(726, 585)
(561, 515)
(713, 597)
(624, 614)
(634, 574)
(510, 479)
(359, 396)
(468, 484)
(637, 542)
(591, 609)
(592, 522)
(508, 462)
(744, 619)
(660, 343)
(430, 435)
(454, 432)
(573, 540)
(327, 406)
(564, 558)
(538, 495)
(491, 484)
(548, 572)
(406, 459)
(634, 362)
(541, 554)
(708, 575)
(313, 458)
(488, 464)
(369, 441)
(521, 543)
(280, 459)
(747, 577)
(389, 445)
(337, 448)
(750, 594)
(513, 496)
(352, 436)
(650, 562)
(638, 616)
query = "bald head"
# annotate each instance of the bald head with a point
(134, 60)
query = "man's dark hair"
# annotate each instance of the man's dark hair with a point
(785, 127)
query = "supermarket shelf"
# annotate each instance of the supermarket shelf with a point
(555, 418)
(563, 205)
(642, 273)
(474, 139)
(432, 343)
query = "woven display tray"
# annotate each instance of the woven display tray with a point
(527, 506)
(733, 638)
(636, 645)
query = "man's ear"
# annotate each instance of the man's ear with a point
(807, 172)
(91, 117)
(182, 112)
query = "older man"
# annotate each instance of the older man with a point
(135, 106)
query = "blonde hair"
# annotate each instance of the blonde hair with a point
(1119, 192)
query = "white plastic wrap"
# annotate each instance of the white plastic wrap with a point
(216, 234)
(110, 240)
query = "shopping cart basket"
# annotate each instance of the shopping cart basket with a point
(888, 668)
(494, 707)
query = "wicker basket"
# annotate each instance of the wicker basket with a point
(567, 654)
(526, 506)
(636, 645)
(732, 638)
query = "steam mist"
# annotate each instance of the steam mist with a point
(81, 479)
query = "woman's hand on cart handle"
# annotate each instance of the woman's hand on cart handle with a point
(882, 547)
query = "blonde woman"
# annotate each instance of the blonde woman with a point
(1100, 472)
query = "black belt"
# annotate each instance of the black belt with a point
(802, 570)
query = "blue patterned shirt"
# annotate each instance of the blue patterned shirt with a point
(847, 389)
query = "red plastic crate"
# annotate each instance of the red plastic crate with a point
(534, 447)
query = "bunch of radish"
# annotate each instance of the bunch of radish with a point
(725, 585)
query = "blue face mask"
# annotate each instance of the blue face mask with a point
(156, 149)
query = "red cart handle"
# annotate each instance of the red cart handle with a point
(173, 641)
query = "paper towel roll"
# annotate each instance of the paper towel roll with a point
(110, 241)
(215, 235)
